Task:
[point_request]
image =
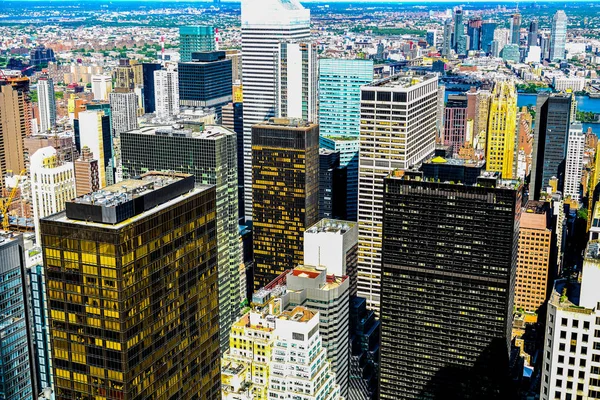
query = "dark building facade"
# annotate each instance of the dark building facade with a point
(332, 185)
(148, 81)
(41, 56)
(206, 81)
(447, 288)
(233, 118)
(285, 187)
(453, 170)
(474, 33)
(550, 139)
(365, 335)
(133, 297)
(487, 35)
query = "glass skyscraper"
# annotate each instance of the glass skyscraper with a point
(194, 39)
(15, 362)
(558, 36)
(339, 115)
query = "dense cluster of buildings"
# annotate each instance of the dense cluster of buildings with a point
(296, 227)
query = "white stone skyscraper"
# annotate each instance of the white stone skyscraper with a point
(47, 103)
(574, 162)
(558, 36)
(397, 131)
(166, 92)
(265, 24)
(123, 107)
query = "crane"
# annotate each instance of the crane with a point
(6, 205)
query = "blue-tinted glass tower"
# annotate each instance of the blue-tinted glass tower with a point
(195, 39)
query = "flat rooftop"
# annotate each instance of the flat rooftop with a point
(283, 123)
(331, 225)
(401, 81)
(189, 130)
(298, 314)
(456, 162)
(592, 250)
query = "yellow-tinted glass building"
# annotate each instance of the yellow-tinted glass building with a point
(502, 125)
(285, 188)
(131, 276)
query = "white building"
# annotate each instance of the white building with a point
(265, 24)
(574, 162)
(166, 92)
(534, 54)
(101, 87)
(502, 38)
(47, 104)
(571, 368)
(52, 185)
(297, 81)
(123, 107)
(397, 131)
(574, 83)
(558, 36)
(91, 135)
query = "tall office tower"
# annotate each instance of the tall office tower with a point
(524, 144)
(15, 114)
(339, 115)
(515, 28)
(558, 36)
(459, 27)
(205, 81)
(124, 76)
(534, 266)
(550, 141)
(482, 111)
(487, 35)
(365, 331)
(52, 185)
(46, 103)
(502, 38)
(259, 364)
(332, 185)
(285, 182)
(397, 131)
(95, 134)
(502, 126)
(87, 174)
(447, 296)
(265, 24)
(574, 162)
(431, 37)
(148, 82)
(455, 122)
(571, 352)
(17, 372)
(545, 45)
(153, 337)
(441, 110)
(166, 92)
(333, 244)
(193, 39)
(209, 153)
(474, 33)
(236, 64)
(297, 77)
(532, 35)
(461, 45)
(101, 87)
(40, 330)
(123, 108)
(447, 45)
(233, 119)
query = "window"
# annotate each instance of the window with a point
(575, 323)
(564, 322)
(586, 325)
(559, 383)
(563, 334)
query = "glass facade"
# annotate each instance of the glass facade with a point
(15, 363)
(134, 306)
(285, 185)
(447, 293)
(347, 146)
(195, 38)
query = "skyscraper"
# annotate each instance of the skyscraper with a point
(550, 141)
(101, 87)
(502, 125)
(52, 185)
(194, 39)
(166, 92)
(570, 351)
(532, 35)
(16, 374)
(297, 77)
(233, 119)
(332, 185)
(95, 134)
(133, 291)
(123, 107)
(208, 153)
(446, 300)
(339, 115)
(558, 36)
(205, 81)
(447, 45)
(285, 182)
(397, 131)
(15, 106)
(515, 28)
(574, 162)
(87, 176)
(459, 27)
(148, 81)
(455, 122)
(47, 103)
(474, 33)
(487, 35)
(265, 24)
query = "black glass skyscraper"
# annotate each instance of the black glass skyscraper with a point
(448, 271)
(487, 35)
(148, 80)
(332, 185)
(550, 140)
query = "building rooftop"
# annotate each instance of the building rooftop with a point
(331, 226)
(592, 250)
(486, 179)
(298, 314)
(534, 216)
(190, 130)
(287, 123)
(456, 161)
(401, 81)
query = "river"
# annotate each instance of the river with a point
(584, 103)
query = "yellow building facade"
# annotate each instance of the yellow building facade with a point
(502, 124)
